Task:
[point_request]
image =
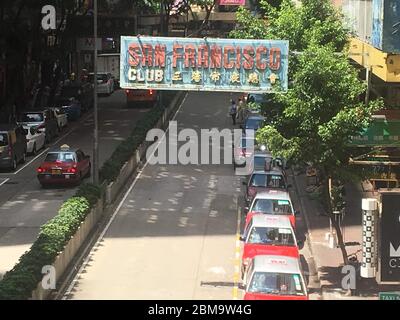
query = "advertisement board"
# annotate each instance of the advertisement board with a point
(389, 253)
(204, 64)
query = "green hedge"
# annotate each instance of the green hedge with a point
(112, 167)
(19, 282)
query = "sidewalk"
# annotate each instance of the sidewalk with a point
(329, 261)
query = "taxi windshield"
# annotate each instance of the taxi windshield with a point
(60, 156)
(271, 236)
(272, 206)
(267, 181)
(277, 283)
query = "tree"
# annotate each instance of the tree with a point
(314, 121)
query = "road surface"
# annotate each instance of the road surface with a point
(25, 206)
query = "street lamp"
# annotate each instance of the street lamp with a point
(96, 128)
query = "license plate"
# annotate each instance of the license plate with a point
(55, 171)
(47, 176)
(67, 176)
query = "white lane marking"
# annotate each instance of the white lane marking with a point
(4, 181)
(28, 163)
(101, 236)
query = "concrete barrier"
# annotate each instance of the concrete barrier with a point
(65, 257)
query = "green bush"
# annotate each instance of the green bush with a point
(19, 282)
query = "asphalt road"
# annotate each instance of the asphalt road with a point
(25, 206)
(175, 233)
(173, 236)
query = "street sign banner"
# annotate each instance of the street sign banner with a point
(389, 295)
(233, 65)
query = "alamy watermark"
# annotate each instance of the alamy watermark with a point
(204, 147)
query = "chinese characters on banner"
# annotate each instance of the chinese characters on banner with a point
(204, 64)
(232, 2)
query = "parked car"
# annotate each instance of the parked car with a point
(71, 107)
(272, 202)
(105, 82)
(135, 97)
(83, 92)
(261, 161)
(35, 139)
(253, 122)
(61, 116)
(44, 120)
(64, 165)
(12, 146)
(264, 180)
(265, 234)
(274, 277)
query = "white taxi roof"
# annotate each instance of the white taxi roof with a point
(278, 264)
(273, 194)
(271, 221)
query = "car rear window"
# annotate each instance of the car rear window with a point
(277, 283)
(271, 236)
(253, 123)
(267, 181)
(3, 139)
(272, 206)
(31, 117)
(60, 156)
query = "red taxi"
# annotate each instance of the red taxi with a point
(274, 277)
(266, 234)
(272, 202)
(139, 96)
(64, 165)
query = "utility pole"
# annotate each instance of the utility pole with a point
(96, 124)
(368, 79)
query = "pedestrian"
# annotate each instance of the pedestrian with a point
(233, 111)
(240, 111)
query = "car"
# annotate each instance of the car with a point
(44, 120)
(71, 107)
(274, 277)
(83, 92)
(262, 160)
(12, 146)
(262, 180)
(256, 97)
(35, 139)
(61, 116)
(272, 202)
(266, 234)
(136, 97)
(253, 122)
(243, 150)
(105, 82)
(64, 165)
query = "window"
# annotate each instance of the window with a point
(3, 139)
(275, 181)
(272, 206)
(271, 236)
(80, 155)
(60, 156)
(277, 283)
(31, 117)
